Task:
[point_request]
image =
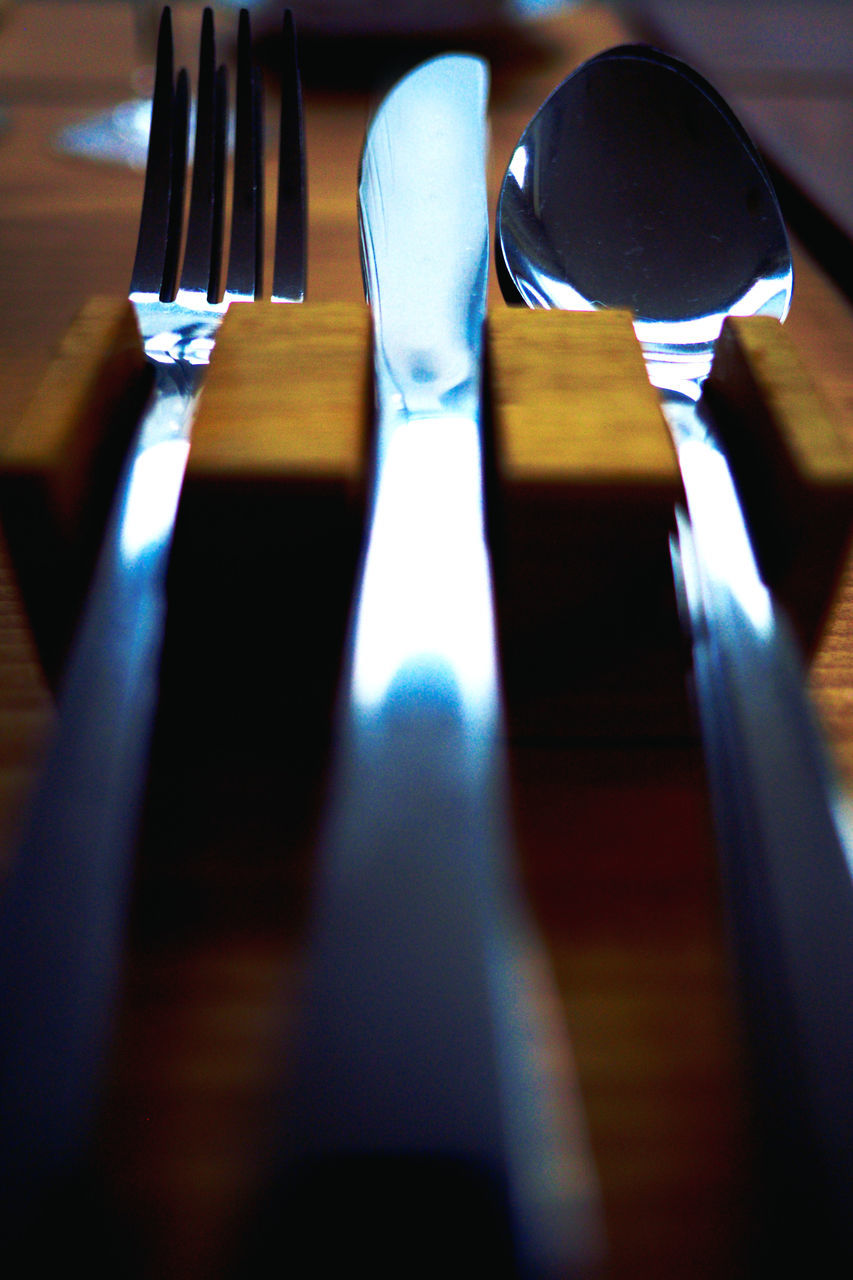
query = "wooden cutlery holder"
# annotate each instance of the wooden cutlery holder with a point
(581, 486)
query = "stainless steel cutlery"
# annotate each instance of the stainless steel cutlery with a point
(62, 913)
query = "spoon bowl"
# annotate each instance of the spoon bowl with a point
(634, 186)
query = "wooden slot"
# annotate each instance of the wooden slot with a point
(269, 529)
(792, 465)
(60, 461)
(582, 482)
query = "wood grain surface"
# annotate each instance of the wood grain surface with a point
(617, 849)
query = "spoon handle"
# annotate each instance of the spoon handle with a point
(787, 869)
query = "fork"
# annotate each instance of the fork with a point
(62, 914)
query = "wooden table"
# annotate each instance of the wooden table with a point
(617, 850)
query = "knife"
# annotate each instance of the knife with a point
(432, 1116)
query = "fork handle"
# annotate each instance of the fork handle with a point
(62, 913)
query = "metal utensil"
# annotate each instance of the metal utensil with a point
(62, 913)
(634, 186)
(430, 1110)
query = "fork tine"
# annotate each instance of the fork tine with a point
(258, 164)
(290, 231)
(220, 151)
(149, 264)
(180, 124)
(200, 272)
(246, 248)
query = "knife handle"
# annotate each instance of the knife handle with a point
(431, 1108)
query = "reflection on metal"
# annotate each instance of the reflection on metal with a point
(538, 8)
(153, 491)
(727, 559)
(178, 340)
(426, 594)
(119, 135)
(427, 584)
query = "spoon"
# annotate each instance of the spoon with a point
(634, 186)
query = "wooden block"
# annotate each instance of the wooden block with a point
(286, 398)
(59, 463)
(573, 401)
(581, 503)
(61, 430)
(793, 467)
(581, 485)
(269, 528)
